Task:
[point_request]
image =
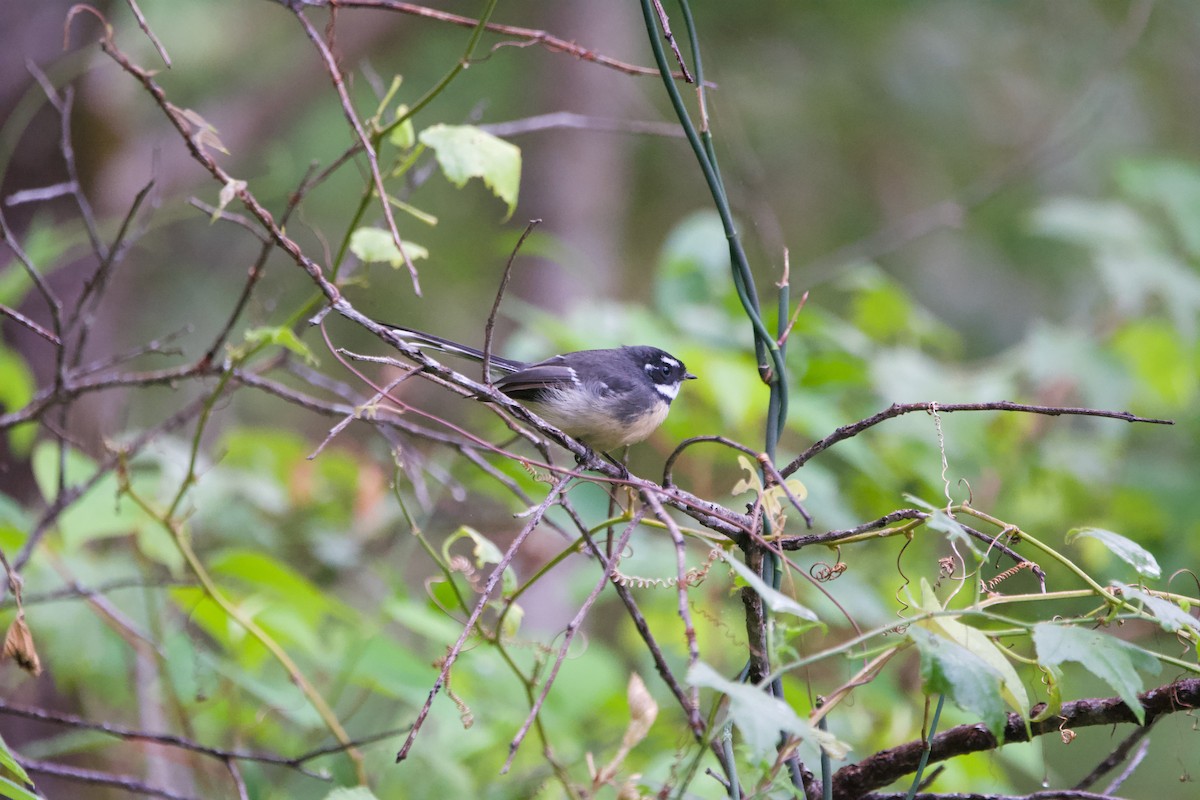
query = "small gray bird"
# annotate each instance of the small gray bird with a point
(605, 398)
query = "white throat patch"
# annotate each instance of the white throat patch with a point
(667, 390)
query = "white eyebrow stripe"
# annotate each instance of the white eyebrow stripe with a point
(672, 362)
(667, 390)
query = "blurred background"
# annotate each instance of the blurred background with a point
(983, 201)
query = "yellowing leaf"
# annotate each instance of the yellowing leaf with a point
(377, 245)
(465, 152)
(977, 642)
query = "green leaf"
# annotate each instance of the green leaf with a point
(1173, 185)
(9, 762)
(16, 389)
(777, 601)
(760, 717)
(375, 245)
(351, 793)
(940, 521)
(465, 152)
(100, 512)
(1170, 616)
(156, 544)
(972, 683)
(1160, 359)
(264, 575)
(403, 136)
(282, 337)
(979, 645)
(1111, 660)
(1127, 550)
(485, 552)
(14, 791)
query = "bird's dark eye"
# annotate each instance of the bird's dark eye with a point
(663, 370)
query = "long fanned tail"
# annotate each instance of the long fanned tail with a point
(422, 339)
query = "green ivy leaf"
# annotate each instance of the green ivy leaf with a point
(1170, 616)
(760, 717)
(972, 683)
(1127, 550)
(977, 643)
(776, 600)
(1111, 660)
(465, 152)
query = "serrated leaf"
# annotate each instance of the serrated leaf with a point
(760, 717)
(940, 521)
(1169, 615)
(978, 644)
(1125, 549)
(374, 245)
(776, 600)
(1111, 660)
(464, 152)
(969, 681)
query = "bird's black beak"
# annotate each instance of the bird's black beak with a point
(687, 376)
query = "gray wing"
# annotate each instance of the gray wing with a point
(536, 380)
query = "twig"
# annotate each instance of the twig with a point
(639, 624)
(94, 777)
(141, 21)
(489, 328)
(670, 37)
(75, 591)
(181, 742)
(17, 316)
(571, 120)
(339, 85)
(531, 36)
(681, 586)
(255, 272)
(1133, 764)
(764, 462)
(568, 637)
(1114, 759)
(898, 409)
(492, 582)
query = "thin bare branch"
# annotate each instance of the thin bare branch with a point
(899, 409)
